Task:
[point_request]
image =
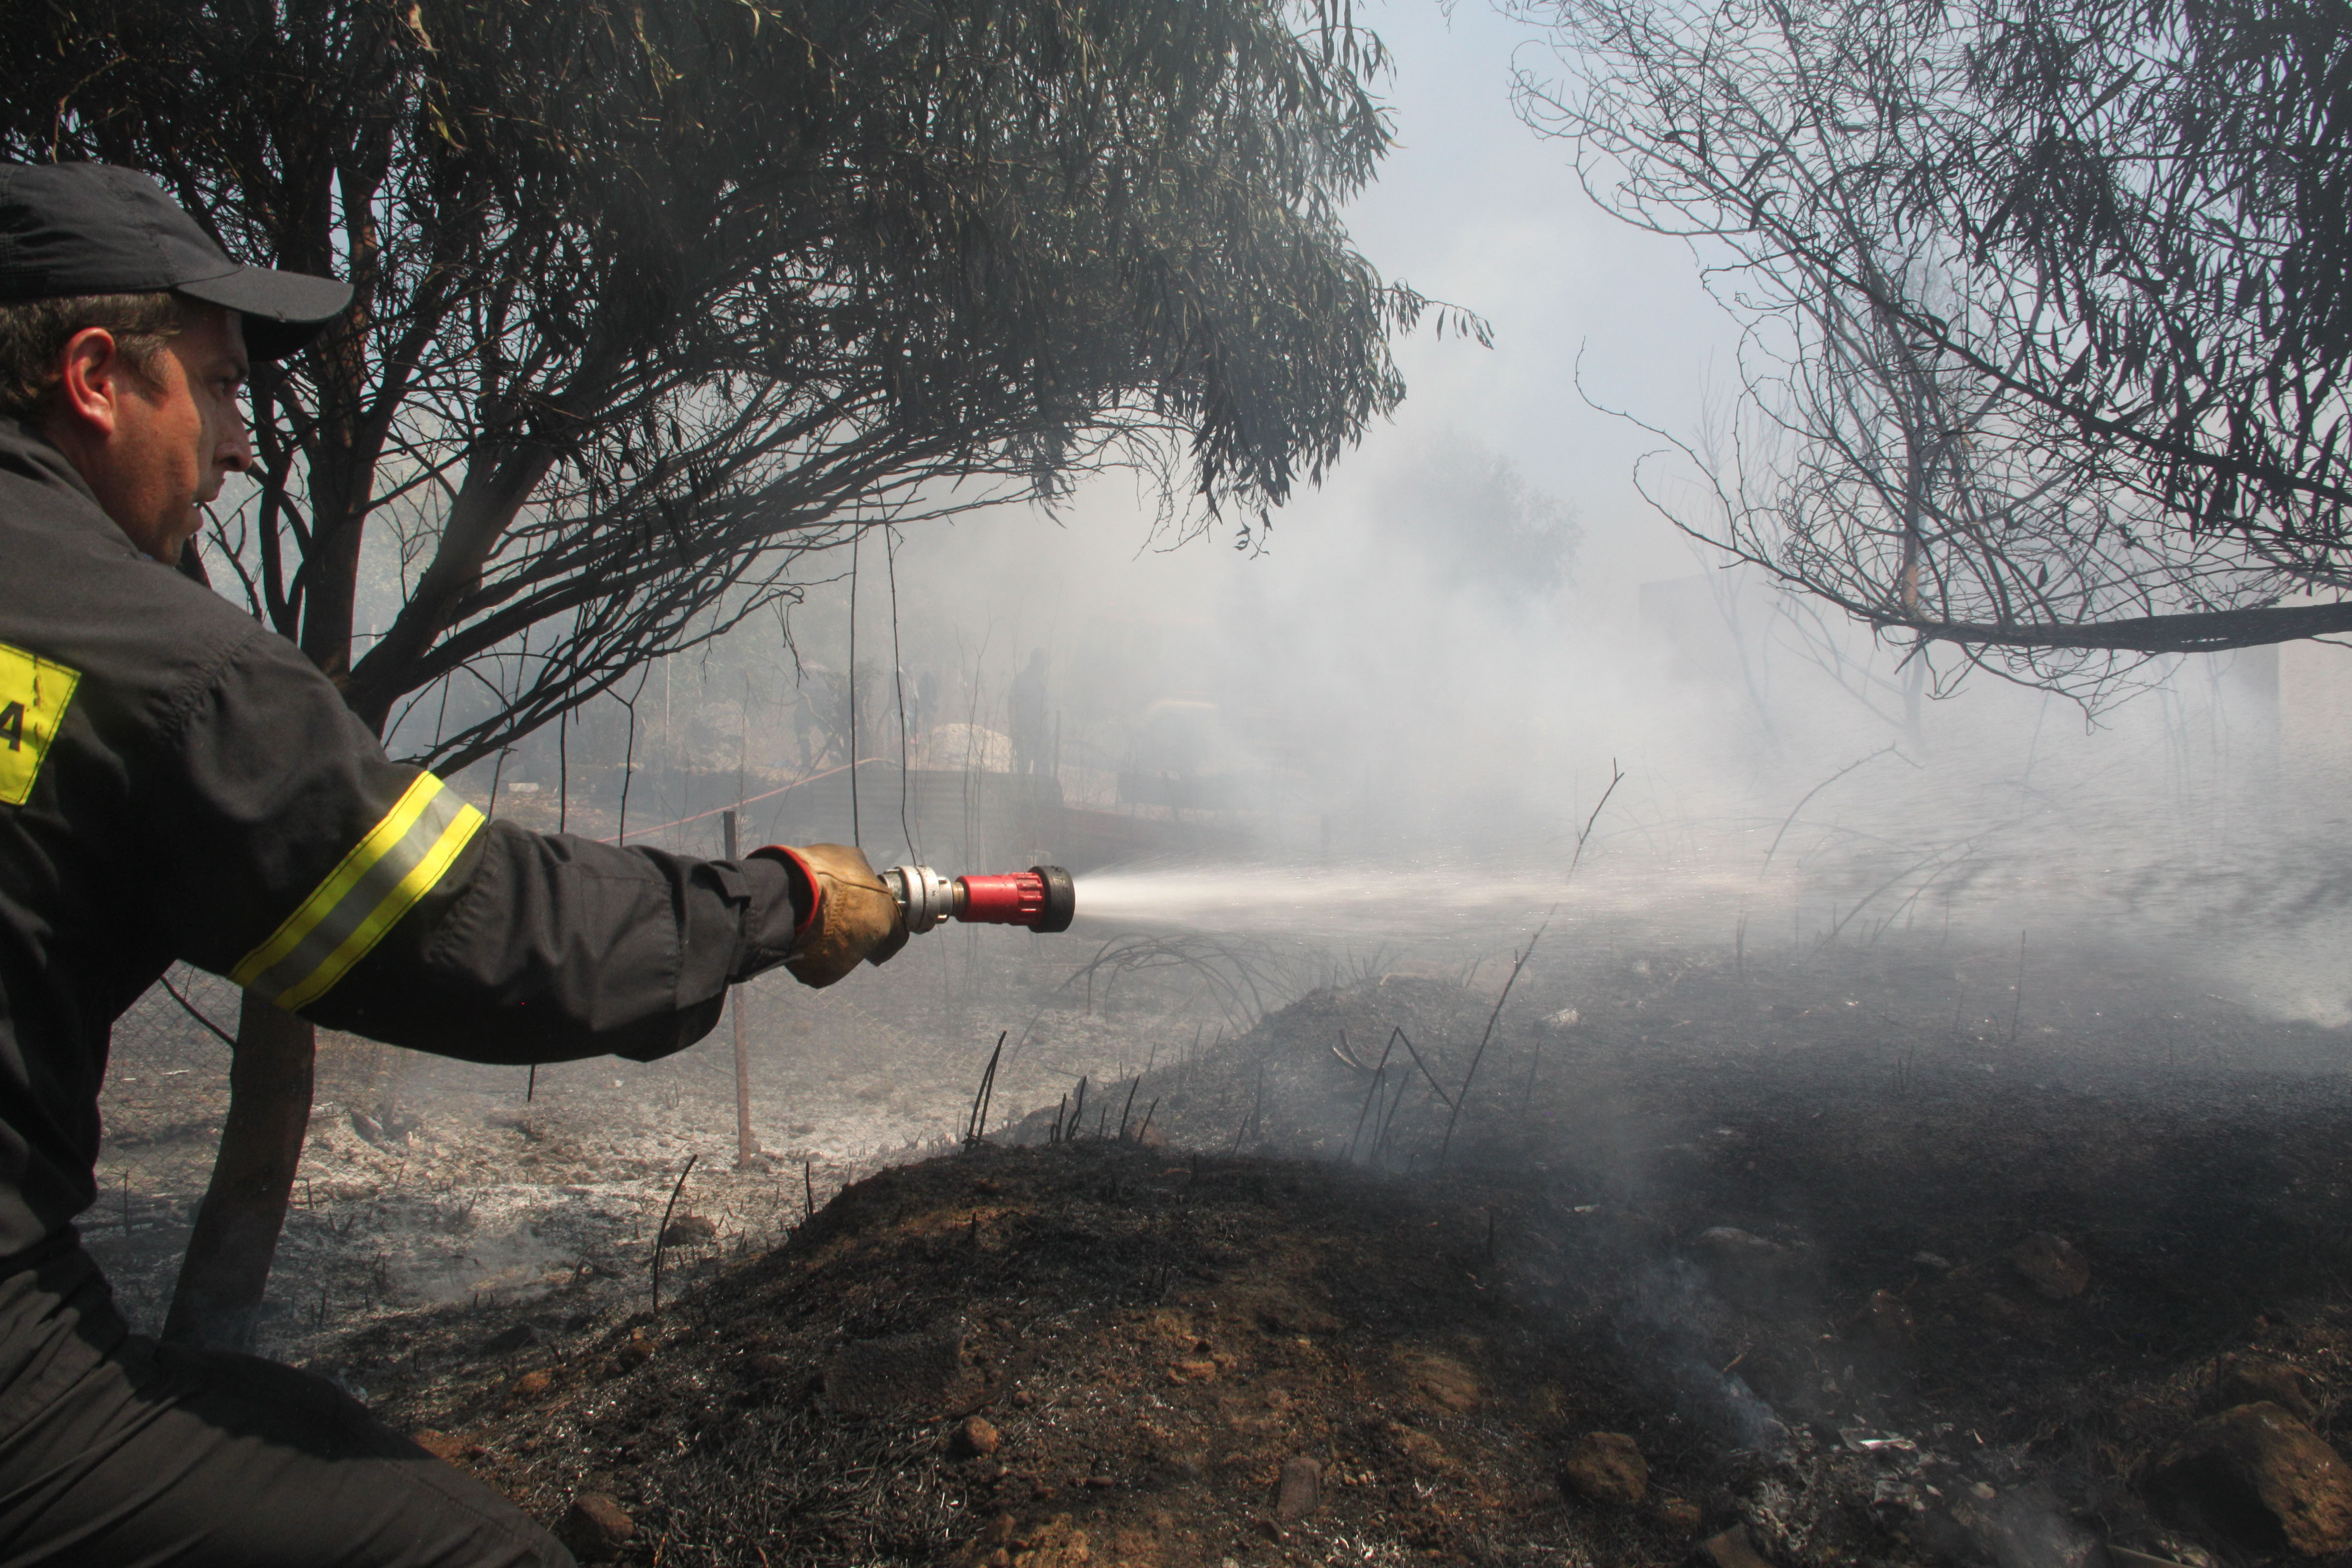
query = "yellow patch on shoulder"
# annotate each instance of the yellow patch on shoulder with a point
(34, 692)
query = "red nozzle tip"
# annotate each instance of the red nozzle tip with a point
(1041, 898)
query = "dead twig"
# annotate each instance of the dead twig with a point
(975, 1126)
(661, 1236)
(191, 1009)
(1379, 1082)
(1790, 821)
(1257, 1107)
(1435, 1088)
(1480, 1054)
(1388, 1126)
(1340, 1051)
(1616, 777)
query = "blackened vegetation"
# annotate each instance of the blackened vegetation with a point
(1765, 1225)
(1153, 1338)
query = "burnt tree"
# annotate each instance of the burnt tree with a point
(2047, 320)
(652, 302)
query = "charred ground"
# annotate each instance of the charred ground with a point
(1761, 1220)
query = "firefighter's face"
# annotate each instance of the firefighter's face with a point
(158, 441)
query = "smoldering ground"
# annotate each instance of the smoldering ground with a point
(1724, 1021)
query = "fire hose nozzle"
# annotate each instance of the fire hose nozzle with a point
(1041, 898)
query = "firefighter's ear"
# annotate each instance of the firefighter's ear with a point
(87, 398)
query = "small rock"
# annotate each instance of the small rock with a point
(989, 1549)
(521, 1336)
(1680, 1515)
(1421, 1450)
(1738, 1260)
(2052, 1266)
(1732, 1550)
(2249, 1380)
(1192, 1371)
(2258, 1474)
(595, 1528)
(689, 1230)
(1606, 1467)
(1301, 1491)
(1728, 1241)
(1445, 1380)
(972, 1438)
(637, 1351)
(1024, 1398)
(532, 1384)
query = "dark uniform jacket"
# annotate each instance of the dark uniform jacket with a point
(176, 782)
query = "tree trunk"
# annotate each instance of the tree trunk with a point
(226, 1268)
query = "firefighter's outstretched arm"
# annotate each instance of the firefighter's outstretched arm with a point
(368, 895)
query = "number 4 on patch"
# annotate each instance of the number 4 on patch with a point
(34, 692)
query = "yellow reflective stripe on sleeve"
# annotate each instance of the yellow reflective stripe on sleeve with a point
(362, 898)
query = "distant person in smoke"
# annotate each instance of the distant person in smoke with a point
(1029, 716)
(177, 783)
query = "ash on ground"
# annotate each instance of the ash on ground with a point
(1675, 1256)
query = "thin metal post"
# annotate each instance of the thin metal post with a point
(746, 1147)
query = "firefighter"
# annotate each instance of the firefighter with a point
(177, 783)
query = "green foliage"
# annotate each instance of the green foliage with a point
(653, 299)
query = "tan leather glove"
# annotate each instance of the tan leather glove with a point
(853, 916)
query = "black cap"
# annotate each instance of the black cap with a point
(92, 229)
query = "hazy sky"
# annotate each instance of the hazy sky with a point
(1477, 209)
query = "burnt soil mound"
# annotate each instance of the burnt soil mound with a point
(1848, 1296)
